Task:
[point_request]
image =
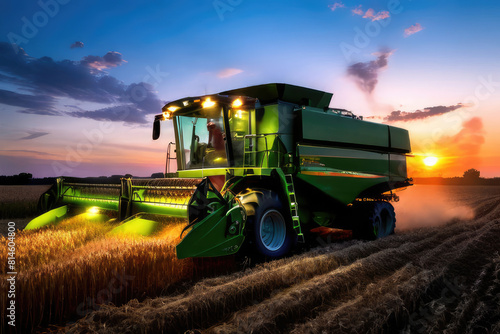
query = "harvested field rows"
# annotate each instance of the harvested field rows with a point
(430, 280)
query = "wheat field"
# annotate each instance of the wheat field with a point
(19, 201)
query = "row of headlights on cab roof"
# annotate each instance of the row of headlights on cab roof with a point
(208, 103)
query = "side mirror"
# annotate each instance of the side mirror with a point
(156, 129)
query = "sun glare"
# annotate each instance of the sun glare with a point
(430, 161)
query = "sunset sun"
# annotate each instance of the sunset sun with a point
(430, 161)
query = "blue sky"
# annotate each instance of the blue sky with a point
(168, 50)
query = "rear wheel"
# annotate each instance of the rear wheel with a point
(376, 220)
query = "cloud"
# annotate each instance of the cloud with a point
(379, 16)
(66, 78)
(73, 106)
(127, 113)
(413, 29)
(34, 135)
(404, 116)
(42, 103)
(457, 151)
(228, 72)
(137, 101)
(365, 75)
(47, 82)
(9, 152)
(77, 45)
(336, 5)
(370, 13)
(466, 144)
(109, 60)
(470, 138)
(357, 10)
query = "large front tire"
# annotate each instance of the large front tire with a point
(273, 234)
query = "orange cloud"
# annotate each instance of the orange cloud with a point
(467, 143)
(456, 153)
(413, 29)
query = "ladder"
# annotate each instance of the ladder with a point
(294, 207)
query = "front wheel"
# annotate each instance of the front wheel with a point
(272, 229)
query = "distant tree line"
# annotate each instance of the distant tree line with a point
(472, 174)
(22, 178)
(471, 177)
(27, 179)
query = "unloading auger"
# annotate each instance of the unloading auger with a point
(260, 166)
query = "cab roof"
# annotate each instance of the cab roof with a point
(272, 92)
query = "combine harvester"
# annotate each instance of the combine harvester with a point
(258, 167)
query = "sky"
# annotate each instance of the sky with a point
(81, 81)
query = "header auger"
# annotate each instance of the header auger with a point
(260, 166)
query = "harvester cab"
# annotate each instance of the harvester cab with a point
(261, 166)
(210, 131)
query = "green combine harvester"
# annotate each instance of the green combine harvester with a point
(257, 168)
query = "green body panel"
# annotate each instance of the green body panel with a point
(267, 120)
(341, 185)
(397, 165)
(137, 226)
(343, 159)
(212, 236)
(343, 173)
(319, 125)
(52, 217)
(400, 139)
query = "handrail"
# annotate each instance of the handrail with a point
(169, 157)
(267, 151)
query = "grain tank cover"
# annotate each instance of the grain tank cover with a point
(270, 93)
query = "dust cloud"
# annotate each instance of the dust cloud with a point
(427, 205)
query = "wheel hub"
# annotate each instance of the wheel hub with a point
(272, 230)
